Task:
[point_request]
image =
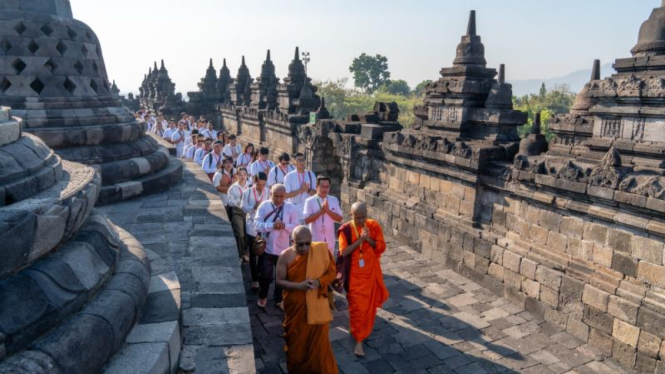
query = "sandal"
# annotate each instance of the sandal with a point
(262, 303)
(245, 258)
(280, 306)
(255, 285)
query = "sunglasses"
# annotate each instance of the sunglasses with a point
(307, 244)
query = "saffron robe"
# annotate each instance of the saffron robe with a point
(308, 348)
(367, 291)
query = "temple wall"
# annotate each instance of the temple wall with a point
(593, 270)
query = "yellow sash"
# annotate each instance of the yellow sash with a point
(318, 309)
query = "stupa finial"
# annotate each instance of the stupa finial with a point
(595, 71)
(502, 74)
(471, 28)
(535, 129)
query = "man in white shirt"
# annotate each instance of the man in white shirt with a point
(210, 131)
(251, 200)
(299, 184)
(178, 139)
(262, 164)
(235, 194)
(213, 160)
(276, 219)
(203, 151)
(321, 212)
(191, 140)
(279, 171)
(168, 133)
(232, 149)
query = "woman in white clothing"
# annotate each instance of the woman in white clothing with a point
(251, 200)
(245, 159)
(223, 179)
(237, 216)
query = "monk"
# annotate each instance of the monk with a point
(361, 242)
(304, 272)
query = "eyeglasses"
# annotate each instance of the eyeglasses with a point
(307, 244)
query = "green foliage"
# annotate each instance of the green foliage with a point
(420, 88)
(342, 101)
(370, 72)
(548, 102)
(398, 87)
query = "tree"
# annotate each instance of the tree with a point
(398, 87)
(420, 88)
(548, 103)
(370, 72)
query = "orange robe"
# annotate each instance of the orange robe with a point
(367, 292)
(308, 348)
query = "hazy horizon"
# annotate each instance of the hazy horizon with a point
(536, 40)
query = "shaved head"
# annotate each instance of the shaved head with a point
(278, 188)
(359, 207)
(359, 213)
(302, 240)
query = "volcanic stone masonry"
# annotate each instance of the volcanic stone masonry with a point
(54, 77)
(573, 232)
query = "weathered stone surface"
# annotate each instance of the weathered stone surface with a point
(595, 297)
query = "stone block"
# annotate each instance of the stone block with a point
(625, 333)
(557, 241)
(653, 274)
(549, 277)
(538, 234)
(602, 341)
(644, 363)
(577, 329)
(598, 319)
(595, 233)
(549, 296)
(496, 254)
(623, 309)
(595, 297)
(511, 261)
(624, 354)
(571, 290)
(649, 344)
(528, 268)
(531, 288)
(602, 256)
(572, 227)
(648, 250)
(619, 240)
(496, 271)
(512, 279)
(625, 264)
(651, 322)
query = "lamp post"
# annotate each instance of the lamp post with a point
(305, 59)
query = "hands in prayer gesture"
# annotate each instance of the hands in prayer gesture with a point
(304, 187)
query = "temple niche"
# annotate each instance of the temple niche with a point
(55, 79)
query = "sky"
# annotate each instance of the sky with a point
(536, 39)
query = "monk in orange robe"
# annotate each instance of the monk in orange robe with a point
(304, 272)
(361, 242)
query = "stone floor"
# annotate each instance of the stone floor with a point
(188, 228)
(437, 321)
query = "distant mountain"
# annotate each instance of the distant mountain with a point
(575, 80)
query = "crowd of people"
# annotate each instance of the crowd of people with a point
(284, 222)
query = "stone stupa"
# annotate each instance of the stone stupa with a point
(55, 79)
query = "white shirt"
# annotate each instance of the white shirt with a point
(210, 134)
(190, 152)
(168, 133)
(323, 228)
(236, 192)
(278, 240)
(293, 182)
(199, 155)
(259, 166)
(189, 141)
(244, 160)
(249, 198)
(228, 151)
(277, 175)
(179, 136)
(211, 161)
(216, 180)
